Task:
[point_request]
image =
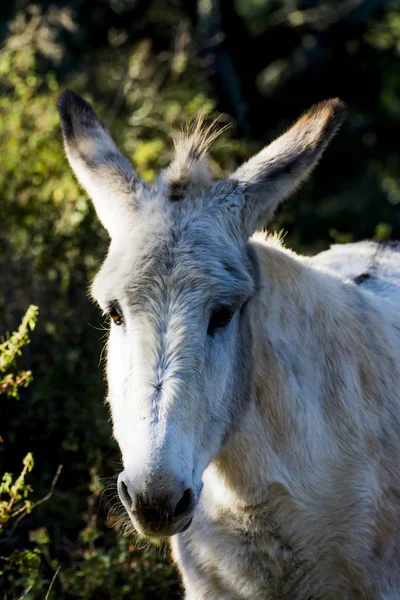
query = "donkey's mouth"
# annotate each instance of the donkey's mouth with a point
(185, 527)
(161, 532)
(160, 528)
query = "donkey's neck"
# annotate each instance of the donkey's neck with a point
(311, 379)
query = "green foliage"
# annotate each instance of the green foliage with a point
(21, 567)
(14, 495)
(20, 573)
(10, 349)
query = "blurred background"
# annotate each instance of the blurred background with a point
(148, 66)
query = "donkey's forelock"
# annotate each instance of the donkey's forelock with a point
(188, 168)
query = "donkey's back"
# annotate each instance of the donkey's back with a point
(374, 266)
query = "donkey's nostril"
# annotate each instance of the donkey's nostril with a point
(124, 494)
(184, 504)
(124, 490)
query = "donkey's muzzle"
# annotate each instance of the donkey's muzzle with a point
(157, 513)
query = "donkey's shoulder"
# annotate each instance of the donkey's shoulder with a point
(374, 266)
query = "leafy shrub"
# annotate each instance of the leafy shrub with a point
(10, 350)
(21, 566)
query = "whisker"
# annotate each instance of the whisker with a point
(101, 328)
(101, 354)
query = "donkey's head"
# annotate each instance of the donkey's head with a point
(178, 282)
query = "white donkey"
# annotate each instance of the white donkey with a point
(255, 394)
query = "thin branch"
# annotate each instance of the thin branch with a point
(17, 512)
(52, 583)
(51, 490)
(25, 592)
(44, 499)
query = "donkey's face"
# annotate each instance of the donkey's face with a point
(178, 283)
(177, 286)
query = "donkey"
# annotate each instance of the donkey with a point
(254, 393)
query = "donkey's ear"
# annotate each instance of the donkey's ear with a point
(100, 168)
(278, 169)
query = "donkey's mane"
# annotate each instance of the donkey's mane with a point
(191, 144)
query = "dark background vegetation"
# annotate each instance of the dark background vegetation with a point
(148, 66)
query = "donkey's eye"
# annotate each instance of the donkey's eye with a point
(115, 313)
(220, 318)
